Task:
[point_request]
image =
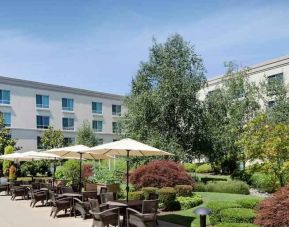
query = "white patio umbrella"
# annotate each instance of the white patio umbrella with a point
(76, 151)
(127, 147)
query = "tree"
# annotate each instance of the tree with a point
(228, 109)
(5, 138)
(163, 108)
(6, 164)
(268, 142)
(52, 138)
(86, 136)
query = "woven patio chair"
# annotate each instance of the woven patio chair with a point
(18, 191)
(59, 204)
(146, 218)
(38, 196)
(67, 190)
(102, 216)
(105, 197)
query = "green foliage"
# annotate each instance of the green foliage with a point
(204, 168)
(268, 142)
(190, 167)
(189, 202)
(69, 171)
(207, 179)
(52, 138)
(33, 167)
(85, 135)
(148, 190)
(5, 138)
(217, 206)
(250, 203)
(167, 197)
(137, 195)
(200, 187)
(264, 182)
(59, 173)
(101, 174)
(184, 190)
(6, 164)
(163, 107)
(236, 225)
(235, 187)
(237, 215)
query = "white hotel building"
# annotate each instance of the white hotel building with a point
(30, 107)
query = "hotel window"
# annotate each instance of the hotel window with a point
(99, 141)
(67, 123)
(4, 97)
(274, 81)
(7, 119)
(67, 104)
(39, 143)
(116, 110)
(42, 121)
(271, 104)
(42, 101)
(97, 126)
(97, 107)
(69, 141)
(116, 127)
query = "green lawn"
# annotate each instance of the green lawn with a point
(210, 175)
(188, 218)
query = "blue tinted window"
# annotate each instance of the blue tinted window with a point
(67, 123)
(7, 119)
(4, 97)
(97, 126)
(116, 127)
(42, 121)
(42, 101)
(67, 104)
(97, 107)
(116, 110)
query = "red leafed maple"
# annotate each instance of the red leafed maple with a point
(87, 170)
(160, 173)
(274, 210)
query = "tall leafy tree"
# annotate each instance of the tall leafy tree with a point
(163, 107)
(229, 108)
(52, 138)
(86, 136)
(5, 138)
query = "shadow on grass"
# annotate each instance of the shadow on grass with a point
(177, 219)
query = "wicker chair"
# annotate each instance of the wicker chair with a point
(102, 216)
(37, 196)
(146, 218)
(4, 188)
(18, 191)
(67, 190)
(59, 204)
(105, 197)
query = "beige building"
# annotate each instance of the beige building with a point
(275, 69)
(30, 107)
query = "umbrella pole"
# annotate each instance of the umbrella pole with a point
(54, 169)
(80, 164)
(127, 174)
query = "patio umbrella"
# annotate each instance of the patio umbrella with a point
(76, 151)
(127, 147)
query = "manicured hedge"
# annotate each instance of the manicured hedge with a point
(205, 168)
(148, 190)
(190, 167)
(237, 215)
(235, 187)
(236, 225)
(200, 187)
(137, 195)
(189, 202)
(167, 198)
(207, 179)
(217, 206)
(250, 203)
(264, 182)
(184, 190)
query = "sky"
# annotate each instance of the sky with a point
(99, 44)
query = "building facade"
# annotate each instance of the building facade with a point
(272, 70)
(30, 107)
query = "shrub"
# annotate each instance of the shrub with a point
(167, 198)
(207, 179)
(137, 195)
(200, 187)
(235, 187)
(189, 202)
(160, 173)
(6, 164)
(190, 167)
(184, 190)
(205, 168)
(264, 182)
(236, 225)
(103, 175)
(217, 206)
(250, 203)
(273, 211)
(237, 215)
(242, 175)
(148, 190)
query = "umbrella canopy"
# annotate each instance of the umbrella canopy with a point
(15, 157)
(127, 147)
(40, 155)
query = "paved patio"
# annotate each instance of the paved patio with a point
(18, 213)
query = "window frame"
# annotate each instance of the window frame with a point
(42, 126)
(95, 110)
(117, 111)
(68, 102)
(3, 100)
(4, 115)
(42, 105)
(97, 122)
(69, 127)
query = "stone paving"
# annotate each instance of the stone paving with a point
(18, 213)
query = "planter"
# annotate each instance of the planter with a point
(90, 187)
(96, 187)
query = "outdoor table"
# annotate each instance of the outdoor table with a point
(71, 195)
(6, 187)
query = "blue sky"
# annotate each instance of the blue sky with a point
(98, 45)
